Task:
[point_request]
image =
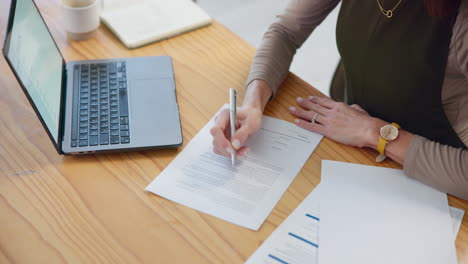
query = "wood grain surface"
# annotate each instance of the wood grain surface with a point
(93, 209)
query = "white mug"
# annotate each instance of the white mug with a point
(81, 17)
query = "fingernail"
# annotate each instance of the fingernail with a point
(299, 99)
(311, 97)
(292, 108)
(236, 144)
(229, 150)
(297, 121)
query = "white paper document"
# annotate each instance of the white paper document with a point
(245, 194)
(377, 215)
(296, 239)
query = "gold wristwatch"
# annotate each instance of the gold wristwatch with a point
(388, 133)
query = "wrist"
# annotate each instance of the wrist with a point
(258, 93)
(372, 134)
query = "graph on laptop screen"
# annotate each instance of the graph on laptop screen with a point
(37, 62)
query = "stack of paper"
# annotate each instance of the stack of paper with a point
(366, 215)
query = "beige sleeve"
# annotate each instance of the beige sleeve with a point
(443, 167)
(279, 44)
(461, 39)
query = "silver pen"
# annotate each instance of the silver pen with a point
(232, 117)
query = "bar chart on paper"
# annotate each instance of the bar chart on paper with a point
(296, 240)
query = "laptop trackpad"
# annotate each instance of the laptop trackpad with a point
(155, 113)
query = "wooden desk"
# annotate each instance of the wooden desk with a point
(88, 209)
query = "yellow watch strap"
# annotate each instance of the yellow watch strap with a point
(381, 145)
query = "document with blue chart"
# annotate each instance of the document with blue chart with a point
(296, 240)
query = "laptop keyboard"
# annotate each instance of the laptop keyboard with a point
(100, 105)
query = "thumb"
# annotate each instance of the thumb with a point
(240, 137)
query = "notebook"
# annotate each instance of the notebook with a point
(140, 22)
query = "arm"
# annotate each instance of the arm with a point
(443, 167)
(269, 68)
(438, 165)
(279, 44)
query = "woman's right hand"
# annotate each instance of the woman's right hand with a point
(248, 121)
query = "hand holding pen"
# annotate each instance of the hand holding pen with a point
(246, 122)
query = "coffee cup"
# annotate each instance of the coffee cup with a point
(81, 18)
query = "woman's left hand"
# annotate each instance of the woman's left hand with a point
(350, 125)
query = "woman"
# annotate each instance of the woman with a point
(404, 61)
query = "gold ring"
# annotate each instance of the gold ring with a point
(313, 119)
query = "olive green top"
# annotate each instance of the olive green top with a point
(394, 67)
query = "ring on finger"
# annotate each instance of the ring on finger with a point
(313, 119)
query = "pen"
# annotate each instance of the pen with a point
(232, 117)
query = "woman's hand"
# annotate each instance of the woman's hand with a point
(248, 121)
(350, 125)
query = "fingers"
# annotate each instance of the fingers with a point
(242, 152)
(319, 119)
(241, 135)
(247, 123)
(223, 147)
(311, 109)
(221, 144)
(307, 115)
(323, 101)
(308, 105)
(314, 127)
(222, 119)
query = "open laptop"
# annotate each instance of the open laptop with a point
(91, 106)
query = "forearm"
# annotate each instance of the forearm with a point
(441, 166)
(257, 94)
(273, 57)
(282, 39)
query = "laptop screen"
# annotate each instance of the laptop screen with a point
(37, 62)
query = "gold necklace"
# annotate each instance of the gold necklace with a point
(388, 13)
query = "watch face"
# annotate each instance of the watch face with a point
(389, 132)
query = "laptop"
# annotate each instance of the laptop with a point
(95, 105)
